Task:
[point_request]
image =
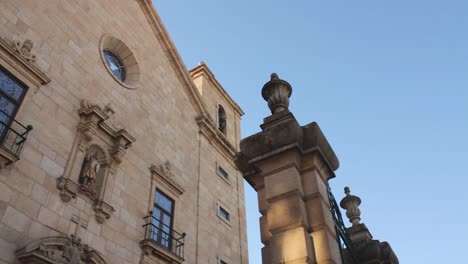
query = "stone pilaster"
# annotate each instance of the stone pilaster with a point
(289, 166)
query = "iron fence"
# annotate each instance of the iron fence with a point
(12, 134)
(164, 235)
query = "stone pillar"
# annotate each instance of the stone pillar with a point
(365, 249)
(289, 166)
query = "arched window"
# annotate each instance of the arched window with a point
(222, 119)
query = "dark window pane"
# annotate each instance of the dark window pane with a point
(115, 64)
(223, 213)
(222, 172)
(9, 86)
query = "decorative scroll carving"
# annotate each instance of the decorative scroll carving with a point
(24, 49)
(61, 249)
(166, 168)
(165, 173)
(18, 55)
(98, 150)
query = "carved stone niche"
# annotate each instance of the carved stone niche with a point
(59, 249)
(97, 151)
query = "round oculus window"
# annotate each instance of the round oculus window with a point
(119, 61)
(115, 64)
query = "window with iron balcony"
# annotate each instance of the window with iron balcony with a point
(161, 239)
(12, 133)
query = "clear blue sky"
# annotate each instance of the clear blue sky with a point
(387, 81)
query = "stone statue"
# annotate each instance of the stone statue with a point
(71, 251)
(89, 172)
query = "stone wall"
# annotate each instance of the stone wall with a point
(160, 114)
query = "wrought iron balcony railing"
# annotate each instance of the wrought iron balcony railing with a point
(12, 134)
(164, 236)
(342, 238)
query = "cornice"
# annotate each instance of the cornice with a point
(216, 137)
(203, 69)
(173, 55)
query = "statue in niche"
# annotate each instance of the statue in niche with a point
(71, 252)
(89, 173)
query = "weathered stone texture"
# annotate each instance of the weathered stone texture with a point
(160, 114)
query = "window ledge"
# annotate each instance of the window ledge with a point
(153, 250)
(224, 220)
(6, 157)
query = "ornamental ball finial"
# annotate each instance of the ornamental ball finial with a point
(274, 76)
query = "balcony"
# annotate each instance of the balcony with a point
(12, 137)
(162, 242)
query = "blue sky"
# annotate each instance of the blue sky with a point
(387, 81)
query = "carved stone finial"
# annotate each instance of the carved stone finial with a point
(24, 49)
(277, 92)
(351, 204)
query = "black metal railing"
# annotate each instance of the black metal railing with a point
(163, 235)
(12, 134)
(342, 238)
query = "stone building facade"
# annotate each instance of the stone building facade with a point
(111, 151)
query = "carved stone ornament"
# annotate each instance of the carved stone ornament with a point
(165, 174)
(24, 49)
(166, 168)
(351, 204)
(277, 92)
(18, 56)
(60, 249)
(97, 151)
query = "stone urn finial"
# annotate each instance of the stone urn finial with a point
(351, 204)
(277, 92)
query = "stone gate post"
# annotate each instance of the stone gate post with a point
(289, 166)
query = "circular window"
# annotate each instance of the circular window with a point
(115, 64)
(120, 62)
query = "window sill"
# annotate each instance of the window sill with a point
(153, 250)
(226, 181)
(224, 220)
(6, 157)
